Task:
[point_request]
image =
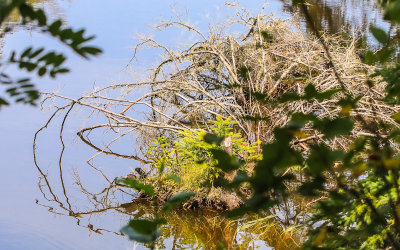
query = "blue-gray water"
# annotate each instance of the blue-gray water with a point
(24, 224)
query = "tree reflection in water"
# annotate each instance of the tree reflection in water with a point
(204, 229)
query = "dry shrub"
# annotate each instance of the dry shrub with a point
(221, 74)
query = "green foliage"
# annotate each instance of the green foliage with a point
(195, 156)
(357, 190)
(39, 61)
(362, 210)
(144, 231)
(379, 34)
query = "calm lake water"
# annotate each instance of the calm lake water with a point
(82, 211)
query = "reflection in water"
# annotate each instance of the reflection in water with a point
(198, 229)
(337, 16)
(207, 229)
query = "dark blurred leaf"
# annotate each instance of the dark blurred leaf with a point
(213, 139)
(26, 11)
(297, 2)
(311, 188)
(299, 120)
(27, 65)
(369, 58)
(331, 128)
(244, 72)
(311, 93)
(41, 17)
(384, 54)
(23, 80)
(289, 96)
(3, 102)
(26, 52)
(267, 36)
(322, 158)
(54, 28)
(144, 231)
(42, 71)
(225, 161)
(36, 53)
(392, 11)
(91, 51)
(63, 70)
(255, 118)
(379, 34)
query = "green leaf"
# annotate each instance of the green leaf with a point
(41, 17)
(392, 12)
(267, 36)
(27, 65)
(335, 127)
(225, 161)
(311, 93)
(12, 57)
(36, 53)
(147, 189)
(289, 97)
(213, 139)
(42, 71)
(322, 158)
(379, 34)
(63, 70)
(26, 11)
(23, 80)
(299, 120)
(26, 52)
(311, 187)
(3, 102)
(384, 54)
(297, 2)
(174, 178)
(244, 72)
(66, 34)
(91, 50)
(27, 86)
(54, 28)
(144, 231)
(369, 57)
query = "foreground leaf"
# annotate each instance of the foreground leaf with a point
(144, 231)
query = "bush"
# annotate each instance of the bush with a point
(188, 157)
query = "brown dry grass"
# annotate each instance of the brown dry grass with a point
(219, 74)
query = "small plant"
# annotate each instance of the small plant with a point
(189, 157)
